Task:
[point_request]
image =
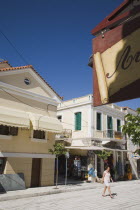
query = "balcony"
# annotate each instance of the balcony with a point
(64, 135)
(111, 134)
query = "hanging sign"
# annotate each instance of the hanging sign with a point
(116, 56)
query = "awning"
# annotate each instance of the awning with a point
(95, 148)
(86, 148)
(45, 123)
(13, 117)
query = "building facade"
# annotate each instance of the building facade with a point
(28, 124)
(89, 129)
(132, 156)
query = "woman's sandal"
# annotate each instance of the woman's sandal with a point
(103, 195)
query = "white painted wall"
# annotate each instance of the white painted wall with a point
(67, 109)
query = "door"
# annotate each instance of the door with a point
(35, 176)
(109, 127)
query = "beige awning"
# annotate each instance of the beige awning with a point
(13, 117)
(86, 148)
(45, 123)
(95, 148)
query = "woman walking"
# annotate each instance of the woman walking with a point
(106, 180)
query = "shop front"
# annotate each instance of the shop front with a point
(76, 167)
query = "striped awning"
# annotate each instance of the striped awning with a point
(14, 117)
(45, 123)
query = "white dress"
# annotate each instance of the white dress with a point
(106, 178)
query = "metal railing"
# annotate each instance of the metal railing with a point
(113, 134)
(65, 134)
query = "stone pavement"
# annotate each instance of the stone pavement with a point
(40, 191)
(128, 197)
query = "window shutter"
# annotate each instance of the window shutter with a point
(78, 121)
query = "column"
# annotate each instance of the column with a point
(95, 161)
(122, 161)
(114, 158)
(114, 162)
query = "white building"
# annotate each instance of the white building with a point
(88, 129)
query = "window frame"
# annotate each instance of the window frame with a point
(37, 139)
(59, 119)
(107, 122)
(9, 131)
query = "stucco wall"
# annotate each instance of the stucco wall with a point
(20, 165)
(23, 143)
(68, 120)
(18, 81)
(27, 105)
(84, 105)
(105, 111)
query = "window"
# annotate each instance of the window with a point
(78, 121)
(37, 134)
(2, 164)
(9, 131)
(109, 123)
(118, 125)
(27, 81)
(99, 122)
(59, 118)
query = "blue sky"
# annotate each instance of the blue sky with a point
(54, 36)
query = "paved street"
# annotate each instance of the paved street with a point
(128, 197)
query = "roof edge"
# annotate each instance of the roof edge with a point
(30, 66)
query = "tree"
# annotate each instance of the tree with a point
(58, 150)
(132, 127)
(103, 154)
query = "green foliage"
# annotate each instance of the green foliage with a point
(59, 149)
(132, 127)
(137, 151)
(103, 154)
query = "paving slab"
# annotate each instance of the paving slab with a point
(41, 191)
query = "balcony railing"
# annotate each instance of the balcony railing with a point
(113, 134)
(66, 134)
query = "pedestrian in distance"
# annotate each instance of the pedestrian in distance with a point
(106, 179)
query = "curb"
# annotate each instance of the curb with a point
(51, 192)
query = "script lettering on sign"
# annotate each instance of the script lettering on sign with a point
(126, 60)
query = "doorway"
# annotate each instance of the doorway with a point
(109, 127)
(138, 167)
(35, 176)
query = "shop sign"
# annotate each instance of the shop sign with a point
(116, 57)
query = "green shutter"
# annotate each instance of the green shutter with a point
(78, 121)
